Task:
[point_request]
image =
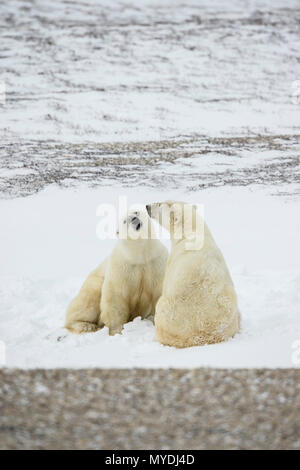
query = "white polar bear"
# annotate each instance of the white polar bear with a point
(198, 304)
(126, 285)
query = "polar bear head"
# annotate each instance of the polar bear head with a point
(136, 225)
(179, 218)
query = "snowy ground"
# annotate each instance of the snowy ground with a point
(126, 70)
(152, 100)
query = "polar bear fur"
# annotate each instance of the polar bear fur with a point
(198, 304)
(126, 285)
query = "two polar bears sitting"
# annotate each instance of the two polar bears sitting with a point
(190, 293)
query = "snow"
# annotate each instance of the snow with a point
(148, 70)
(49, 245)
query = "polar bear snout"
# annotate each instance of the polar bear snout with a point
(136, 222)
(160, 212)
(154, 210)
(135, 225)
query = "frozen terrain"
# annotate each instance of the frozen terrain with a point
(148, 70)
(185, 100)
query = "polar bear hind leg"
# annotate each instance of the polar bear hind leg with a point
(83, 314)
(201, 338)
(173, 328)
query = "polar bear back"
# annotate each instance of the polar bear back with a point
(198, 303)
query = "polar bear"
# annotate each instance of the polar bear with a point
(126, 285)
(198, 304)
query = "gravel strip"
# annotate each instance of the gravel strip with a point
(150, 409)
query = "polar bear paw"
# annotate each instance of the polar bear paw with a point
(80, 327)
